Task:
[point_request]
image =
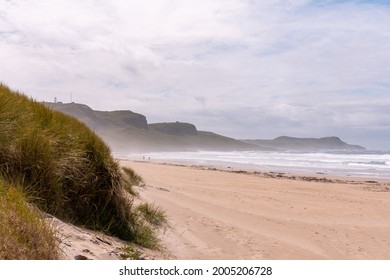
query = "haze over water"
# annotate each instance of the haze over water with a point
(370, 164)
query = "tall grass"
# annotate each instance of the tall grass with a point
(152, 214)
(131, 179)
(23, 234)
(64, 166)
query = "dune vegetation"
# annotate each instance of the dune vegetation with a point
(23, 233)
(61, 167)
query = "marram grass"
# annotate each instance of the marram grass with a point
(23, 234)
(64, 167)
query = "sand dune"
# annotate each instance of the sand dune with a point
(77, 243)
(216, 214)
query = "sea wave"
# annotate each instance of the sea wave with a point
(367, 164)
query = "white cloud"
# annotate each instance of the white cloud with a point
(251, 68)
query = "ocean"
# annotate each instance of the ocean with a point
(369, 164)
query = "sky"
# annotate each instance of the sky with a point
(242, 68)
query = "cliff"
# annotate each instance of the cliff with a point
(176, 128)
(97, 119)
(126, 131)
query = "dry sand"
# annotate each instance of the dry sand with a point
(216, 214)
(77, 243)
(80, 243)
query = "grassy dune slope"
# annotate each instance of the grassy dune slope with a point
(64, 167)
(23, 234)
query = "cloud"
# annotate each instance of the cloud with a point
(241, 68)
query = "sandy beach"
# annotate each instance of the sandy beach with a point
(222, 214)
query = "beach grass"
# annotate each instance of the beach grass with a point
(131, 179)
(65, 168)
(152, 214)
(23, 233)
(130, 253)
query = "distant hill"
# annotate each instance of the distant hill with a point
(177, 128)
(126, 131)
(100, 119)
(286, 143)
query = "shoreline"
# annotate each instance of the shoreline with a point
(299, 176)
(238, 214)
(342, 167)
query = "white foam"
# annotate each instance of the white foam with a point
(355, 164)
